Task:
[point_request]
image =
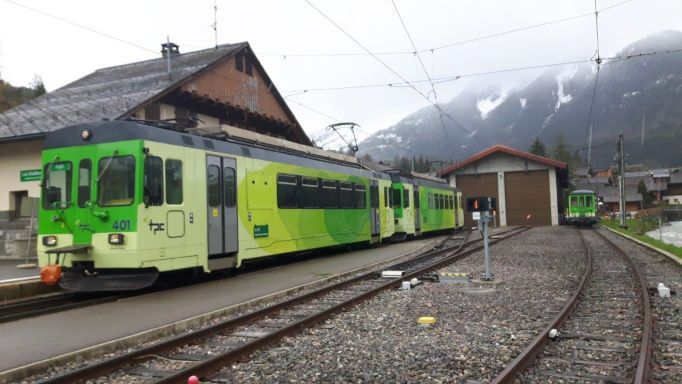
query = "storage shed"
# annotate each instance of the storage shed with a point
(525, 185)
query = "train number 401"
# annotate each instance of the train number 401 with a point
(121, 225)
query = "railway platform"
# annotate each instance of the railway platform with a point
(17, 283)
(74, 331)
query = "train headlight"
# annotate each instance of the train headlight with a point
(49, 241)
(116, 238)
(86, 134)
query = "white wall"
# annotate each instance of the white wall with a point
(15, 157)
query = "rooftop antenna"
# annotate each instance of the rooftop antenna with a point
(215, 22)
(353, 148)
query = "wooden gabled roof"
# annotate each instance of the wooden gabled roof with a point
(115, 92)
(499, 148)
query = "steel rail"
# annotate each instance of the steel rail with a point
(109, 365)
(528, 355)
(643, 362)
(209, 367)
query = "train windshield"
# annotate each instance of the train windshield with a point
(116, 181)
(56, 191)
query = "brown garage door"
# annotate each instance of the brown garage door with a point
(527, 196)
(484, 184)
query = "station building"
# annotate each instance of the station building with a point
(222, 85)
(527, 186)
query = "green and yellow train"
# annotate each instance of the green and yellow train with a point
(581, 209)
(124, 201)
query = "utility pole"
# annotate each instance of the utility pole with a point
(621, 186)
(215, 22)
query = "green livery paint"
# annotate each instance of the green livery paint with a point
(91, 191)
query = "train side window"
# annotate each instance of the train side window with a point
(287, 191)
(360, 196)
(345, 195)
(230, 187)
(84, 176)
(440, 201)
(406, 197)
(390, 196)
(396, 198)
(173, 181)
(588, 201)
(429, 198)
(213, 186)
(574, 201)
(330, 194)
(374, 196)
(310, 193)
(153, 181)
(452, 202)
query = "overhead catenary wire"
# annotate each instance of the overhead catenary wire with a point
(80, 26)
(598, 61)
(448, 45)
(428, 77)
(471, 134)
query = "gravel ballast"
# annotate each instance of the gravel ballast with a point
(480, 327)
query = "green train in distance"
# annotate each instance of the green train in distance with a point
(124, 201)
(581, 208)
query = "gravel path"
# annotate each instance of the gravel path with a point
(479, 327)
(666, 353)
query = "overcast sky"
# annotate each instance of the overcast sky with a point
(32, 43)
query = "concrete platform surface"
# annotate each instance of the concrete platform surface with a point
(9, 270)
(27, 341)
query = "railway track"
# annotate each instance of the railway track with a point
(604, 330)
(666, 349)
(204, 352)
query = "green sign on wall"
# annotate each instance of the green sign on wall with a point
(30, 175)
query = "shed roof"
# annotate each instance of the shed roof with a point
(499, 148)
(112, 93)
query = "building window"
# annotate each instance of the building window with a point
(249, 66)
(287, 191)
(239, 63)
(310, 193)
(173, 181)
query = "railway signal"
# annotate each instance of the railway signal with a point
(480, 208)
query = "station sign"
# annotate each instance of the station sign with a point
(30, 175)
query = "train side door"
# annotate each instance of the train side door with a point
(417, 212)
(375, 222)
(221, 212)
(230, 206)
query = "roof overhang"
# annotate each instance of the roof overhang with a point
(506, 150)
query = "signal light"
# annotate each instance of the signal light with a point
(49, 241)
(481, 204)
(116, 238)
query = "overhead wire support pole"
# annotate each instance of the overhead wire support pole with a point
(598, 60)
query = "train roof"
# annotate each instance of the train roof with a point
(234, 141)
(582, 192)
